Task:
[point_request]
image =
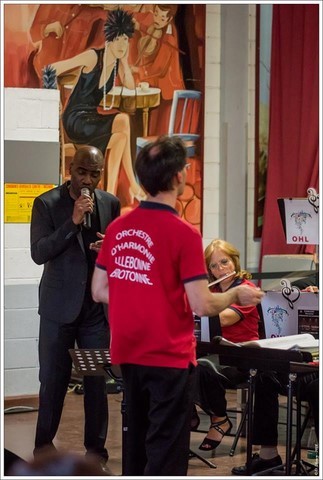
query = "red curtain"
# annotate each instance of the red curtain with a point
(293, 151)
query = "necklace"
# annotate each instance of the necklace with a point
(105, 107)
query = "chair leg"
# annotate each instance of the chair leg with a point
(239, 430)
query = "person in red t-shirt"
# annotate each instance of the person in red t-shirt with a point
(238, 324)
(151, 272)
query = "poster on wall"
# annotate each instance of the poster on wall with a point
(300, 221)
(19, 199)
(117, 67)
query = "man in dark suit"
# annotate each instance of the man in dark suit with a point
(68, 314)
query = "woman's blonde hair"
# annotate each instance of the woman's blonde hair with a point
(229, 250)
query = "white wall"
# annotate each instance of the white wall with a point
(31, 115)
(229, 155)
(211, 180)
(21, 275)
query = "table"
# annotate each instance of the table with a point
(133, 99)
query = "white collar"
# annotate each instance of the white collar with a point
(169, 29)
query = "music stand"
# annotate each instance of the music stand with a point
(192, 454)
(97, 361)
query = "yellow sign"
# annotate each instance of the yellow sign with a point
(19, 199)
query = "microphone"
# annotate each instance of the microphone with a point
(87, 215)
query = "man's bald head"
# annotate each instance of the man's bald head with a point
(90, 155)
(86, 169)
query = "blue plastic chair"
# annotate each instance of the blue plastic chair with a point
(184, 131)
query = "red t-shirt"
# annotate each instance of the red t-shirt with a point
(149, 254)
(247, 327)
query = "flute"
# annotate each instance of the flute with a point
(222, 278)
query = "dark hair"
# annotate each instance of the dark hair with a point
(119, 22)
(158, 162)
(171, 8)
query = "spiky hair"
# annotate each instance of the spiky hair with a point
(119, 22)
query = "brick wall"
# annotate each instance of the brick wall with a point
(31, 147)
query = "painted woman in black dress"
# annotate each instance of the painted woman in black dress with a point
(98, 72)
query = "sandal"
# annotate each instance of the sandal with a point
(208, 444)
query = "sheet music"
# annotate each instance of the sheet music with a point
(304, 341)
(301, 341)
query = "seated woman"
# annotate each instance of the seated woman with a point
(99, 70)
(238, 324)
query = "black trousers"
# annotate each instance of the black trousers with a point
(266, 405)
(89, 330)
(212, 380)
(159, 404)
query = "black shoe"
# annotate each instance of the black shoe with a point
(104, 467)
(258, 465)
(101, 458)
(44, 449)
(100, 462)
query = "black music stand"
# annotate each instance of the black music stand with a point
(302, 467)
(204, 460)
(97, 361)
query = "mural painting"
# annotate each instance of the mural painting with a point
(117, 67)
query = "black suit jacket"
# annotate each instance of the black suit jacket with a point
(57, 243)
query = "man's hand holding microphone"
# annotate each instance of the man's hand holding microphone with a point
(83, 207)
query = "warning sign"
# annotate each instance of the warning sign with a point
(19, 199)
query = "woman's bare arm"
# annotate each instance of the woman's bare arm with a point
(86, 59)
(125, 73)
